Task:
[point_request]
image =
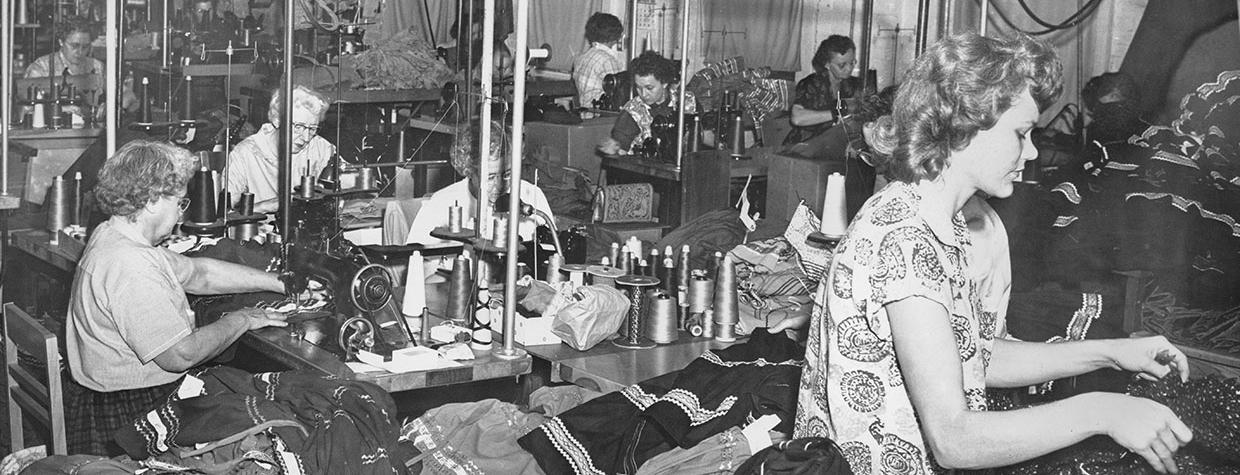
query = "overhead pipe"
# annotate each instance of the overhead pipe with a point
(509, 350)
(684, 69)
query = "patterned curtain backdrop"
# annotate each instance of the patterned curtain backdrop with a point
(766, 33)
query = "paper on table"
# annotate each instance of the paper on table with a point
(417, 358)
(359, 367)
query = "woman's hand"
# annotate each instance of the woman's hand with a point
(609, 147)
(1143, 426)
(1150, 357)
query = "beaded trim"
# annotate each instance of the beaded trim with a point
(692, 407)
(713, 358)
(639, 397)
(569, 447)
(1064, 221)
(1183, 204)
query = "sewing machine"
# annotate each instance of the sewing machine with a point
(361, 314)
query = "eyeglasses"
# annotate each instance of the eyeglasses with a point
(183, 203)
(305, 128)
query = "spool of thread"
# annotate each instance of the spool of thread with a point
(726, 311)
(694, 141)
(245, 231)
(366, 179)
(661, 318)
(77, 199)
(613, 254)
(716, 263)
(604, 275)
(725, 332)
(245, 205)
(635, 246)
(683, 274)
(187, 106)
(23, 13)
(701, 293)
(706, 322)
(604, 262)
(643, 268)
(635, 286)
(144, 114)
(57, 208)
(736, 136)
(39, 118)
(201, 198)
(460, 290)
(554, 263)
(454, 219)
(499, 236)
(576, 273)
(306, 190)
(415, 287)
(625, 263)
(834, 212)
(667, 274)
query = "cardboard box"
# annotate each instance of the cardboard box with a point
(531, 331)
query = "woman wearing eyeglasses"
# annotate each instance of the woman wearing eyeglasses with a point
(130, 336)
(253, 165)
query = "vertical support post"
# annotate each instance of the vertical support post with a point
(6, 92)
(286, 138)
(984, 20)
(509, 321)
(684, 69)
(112, 68)
(867, 25)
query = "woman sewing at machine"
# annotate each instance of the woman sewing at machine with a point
(819, 97)
(464, 193)
(253, 166)
(656, 80)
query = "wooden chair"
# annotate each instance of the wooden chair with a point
(26, 391)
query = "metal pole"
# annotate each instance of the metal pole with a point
(923, 26)
(6, 92)
(484, 120)
(112, 68)
(684, 69)
(984, 20)
(509, 350)
(945, 17)
(286, 137)
(867, 25)
(163, 42)
(633, 53)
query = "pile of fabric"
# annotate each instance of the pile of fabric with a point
(292, 422)
(1177, 192)
(1210, 406)
(759, 94)
(403, 61)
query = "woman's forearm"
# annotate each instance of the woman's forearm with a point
(1019, 363)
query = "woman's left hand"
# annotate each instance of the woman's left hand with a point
(1150, 357)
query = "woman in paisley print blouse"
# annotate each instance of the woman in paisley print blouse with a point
(905, 336)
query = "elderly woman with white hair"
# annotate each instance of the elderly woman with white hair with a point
(253, 165)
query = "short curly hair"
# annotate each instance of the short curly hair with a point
(654, 64)
(960, 86)
(139, 173)
(303, 97)
(466, 141)
(71, 25)
(604, 28)
(834, 44)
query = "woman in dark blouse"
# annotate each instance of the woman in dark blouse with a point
(815, 109)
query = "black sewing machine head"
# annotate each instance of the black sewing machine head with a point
(361, 315)
(617, 88)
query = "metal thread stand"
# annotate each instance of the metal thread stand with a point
(635, 286)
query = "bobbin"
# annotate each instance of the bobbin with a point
(576, 273)
(661, 317)
(604, 275)
(635, 287)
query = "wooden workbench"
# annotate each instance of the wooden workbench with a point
(607, 367)
(701, 184)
